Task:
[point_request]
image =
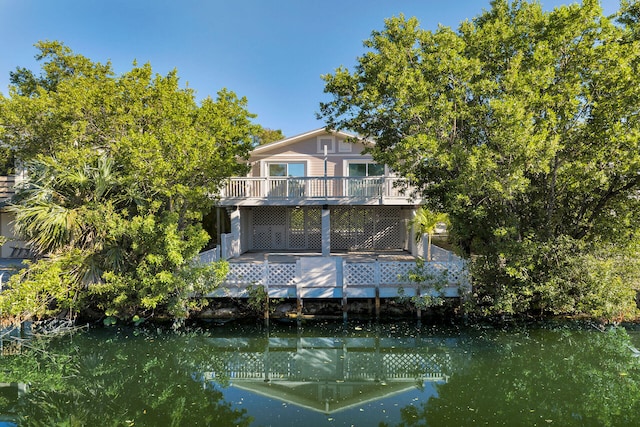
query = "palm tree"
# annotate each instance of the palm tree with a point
(426, 222)
(63, 209)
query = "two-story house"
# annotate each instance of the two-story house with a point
(317, 217)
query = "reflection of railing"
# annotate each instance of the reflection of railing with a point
(328, 374)
(315, 187)
(398, 360)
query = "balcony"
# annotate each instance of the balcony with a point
(296, 191)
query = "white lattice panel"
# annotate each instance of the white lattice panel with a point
(359, 273)
(456, 272)
(297, 239)
(366, 228)
(262, 237)
(395, 273)
(296, 230)
(270, 215)
(388, 211)
(437, 271)
(313, 221)
(282, 274)
(245, 274)
(387, 234)
(278, 238)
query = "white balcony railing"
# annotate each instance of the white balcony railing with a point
(281, 188)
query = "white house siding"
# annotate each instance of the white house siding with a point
(307, 151)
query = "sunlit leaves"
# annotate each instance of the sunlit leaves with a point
(523, 126)
(122, 168)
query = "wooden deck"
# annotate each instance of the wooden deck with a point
(380, 274)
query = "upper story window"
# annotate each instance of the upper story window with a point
(326, 142)
(286, 169)
(366, 179)
(365, 169)
(344, 146)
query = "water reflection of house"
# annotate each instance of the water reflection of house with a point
(329, 374)
(317, 217)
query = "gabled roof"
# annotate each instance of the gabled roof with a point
(300, 137)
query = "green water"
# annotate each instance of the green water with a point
(325, 375)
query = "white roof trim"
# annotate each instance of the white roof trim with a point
(296, 138)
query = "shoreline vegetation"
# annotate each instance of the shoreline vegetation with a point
(522, 125)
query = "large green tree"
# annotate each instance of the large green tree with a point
(523, 125)
(265, 135)
(121, 170)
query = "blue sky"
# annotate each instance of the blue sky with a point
(271, 51)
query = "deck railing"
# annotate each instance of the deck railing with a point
(354, 279)
(315, 187)
(7, 186)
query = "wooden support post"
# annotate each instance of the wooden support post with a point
(418, 309)
(377, 302)
(343, 284)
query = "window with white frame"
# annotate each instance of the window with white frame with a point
(344, 147)
(365, 169)
(326, 141)
(286, 169)
(365, 179)
(283, 182)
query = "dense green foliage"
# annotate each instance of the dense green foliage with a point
(265, 135)
(121, 171)
(6, 161)
(524, 127)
